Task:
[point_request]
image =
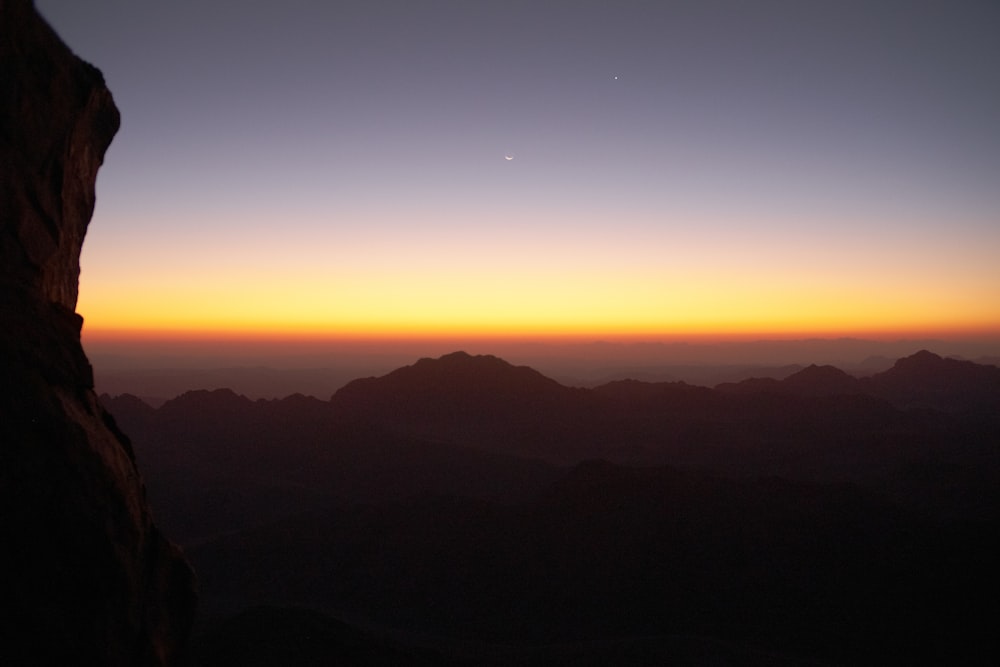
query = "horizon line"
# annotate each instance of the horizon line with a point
(140, 335)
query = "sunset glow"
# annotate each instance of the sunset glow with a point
(575, 287)
(681, 171)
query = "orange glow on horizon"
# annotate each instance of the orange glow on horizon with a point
(691, 335)
(587, 283)
(745, 311)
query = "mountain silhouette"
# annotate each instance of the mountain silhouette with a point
(400, 471)
(471, 502)
(478, 401)
(217, 461)
(812, 380)
(451, 386)
(821, 381)
(506, 427)
(927, 380)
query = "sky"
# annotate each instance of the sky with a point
(594, 170)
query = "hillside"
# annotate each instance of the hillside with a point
(464, 502)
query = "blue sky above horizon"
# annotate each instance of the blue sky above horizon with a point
(679, 167)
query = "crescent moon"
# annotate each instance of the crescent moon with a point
(508, 157)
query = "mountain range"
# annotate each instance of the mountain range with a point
(471, 503)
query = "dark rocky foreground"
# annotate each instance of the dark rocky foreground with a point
(86, 577)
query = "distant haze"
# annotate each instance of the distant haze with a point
(161, 369)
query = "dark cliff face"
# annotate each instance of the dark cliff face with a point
(85, 576)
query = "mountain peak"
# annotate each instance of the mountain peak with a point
(458, 394)
(815, 372)
(929, 380)
(457, 374)
(452, 358)
(216, 399)
(460, 355)
(821, 380)
(922, 358)
(927, 365)
(460, 358)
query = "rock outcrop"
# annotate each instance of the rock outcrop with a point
(86, 578)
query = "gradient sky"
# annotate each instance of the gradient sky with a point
(680, 168)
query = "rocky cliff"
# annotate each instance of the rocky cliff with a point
(86, 578)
